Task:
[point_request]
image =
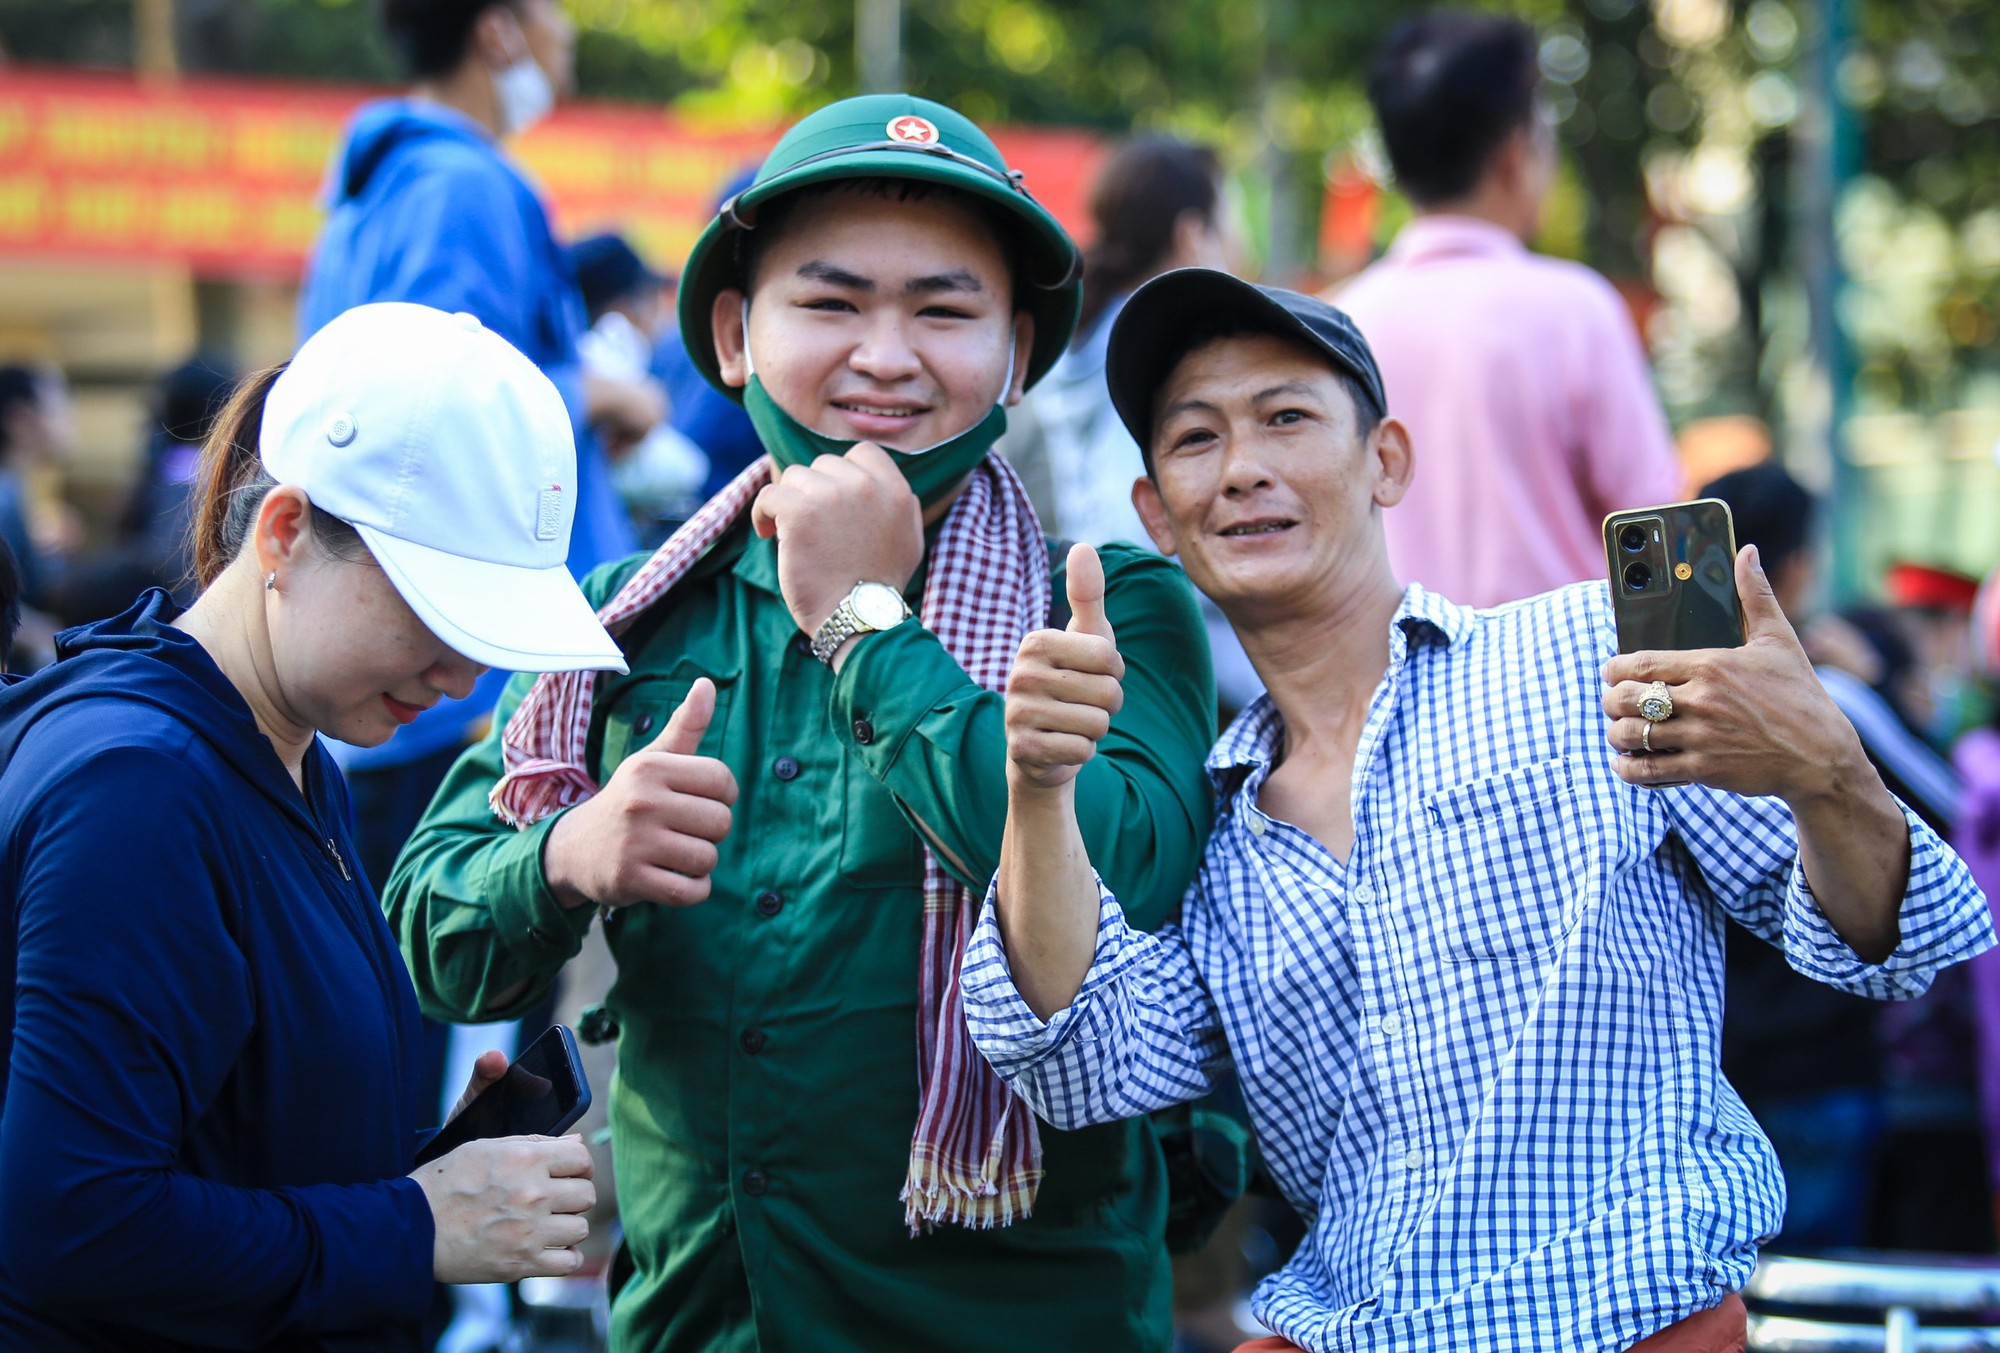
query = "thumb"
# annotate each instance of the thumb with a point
(1763, 617)
(490, 1066)
(682, 735)
(1084, 581)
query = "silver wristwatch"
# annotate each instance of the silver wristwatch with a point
(870, 606)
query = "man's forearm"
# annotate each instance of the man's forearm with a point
(1854, 844)
(1047, 899)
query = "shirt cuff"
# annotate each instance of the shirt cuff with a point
(1006, 1030)
(888, 682)
(526, 916)
(1943, 920)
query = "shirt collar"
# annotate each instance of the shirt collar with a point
(1424, 611)
(1443, 236)
(757, 564)
(1254, 738)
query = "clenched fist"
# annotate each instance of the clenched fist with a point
(1065, 686)
(840, 521)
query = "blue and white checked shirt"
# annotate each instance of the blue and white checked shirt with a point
(1481, 1054)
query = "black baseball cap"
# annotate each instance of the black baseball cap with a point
(1159, 323)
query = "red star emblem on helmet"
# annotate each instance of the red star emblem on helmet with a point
(913, 130)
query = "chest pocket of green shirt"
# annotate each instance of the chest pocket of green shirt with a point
(878, 846)
(639, 709)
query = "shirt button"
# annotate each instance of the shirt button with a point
(1364, 895)
(756, 1183)
(785, 768)
(597, 1026)
(804, 645)
(541, 938)
(1256, 825)
(1392, 1024)
(1414, 1160)
(864, 732)
(643, 724)
(752, 1040)
(769, 903)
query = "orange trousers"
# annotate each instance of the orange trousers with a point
(1721, 1329)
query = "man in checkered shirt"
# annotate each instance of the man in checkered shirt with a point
(1465, 958)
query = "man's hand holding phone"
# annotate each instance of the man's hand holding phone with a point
(1753, 720)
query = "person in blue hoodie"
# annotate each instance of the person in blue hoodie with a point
(210, 1114)
(424, 205)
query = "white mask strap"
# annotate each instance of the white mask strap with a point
(749, 367)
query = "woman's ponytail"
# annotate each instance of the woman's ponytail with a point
(232, 480)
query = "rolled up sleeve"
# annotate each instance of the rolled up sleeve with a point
(1748, 853)
(1944, 920)
(1142, 1033)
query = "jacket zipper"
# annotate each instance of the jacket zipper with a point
(364, 939)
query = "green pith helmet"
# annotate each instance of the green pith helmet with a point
(890, 136)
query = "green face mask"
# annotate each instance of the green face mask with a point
(932, 473)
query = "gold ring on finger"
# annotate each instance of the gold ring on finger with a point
(1657, 704)
(1646, 737)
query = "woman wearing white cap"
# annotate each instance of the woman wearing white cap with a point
(211, 1105)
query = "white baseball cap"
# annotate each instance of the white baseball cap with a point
(452, 455)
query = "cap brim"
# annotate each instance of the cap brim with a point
(498, 615)
(1150, 335)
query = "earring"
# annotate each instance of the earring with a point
(271, 581)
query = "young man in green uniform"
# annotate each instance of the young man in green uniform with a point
(800, 776)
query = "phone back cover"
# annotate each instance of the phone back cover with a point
(1700, 611)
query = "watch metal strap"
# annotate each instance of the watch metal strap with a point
(836, 630)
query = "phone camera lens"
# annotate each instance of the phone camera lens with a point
(1633, 538)
(1638, 575)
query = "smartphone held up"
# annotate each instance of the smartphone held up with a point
(1673, 576)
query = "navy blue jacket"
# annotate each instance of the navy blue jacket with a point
(423, 206)
(212, 1085)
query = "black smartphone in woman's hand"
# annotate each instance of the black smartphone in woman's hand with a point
(542, 1095)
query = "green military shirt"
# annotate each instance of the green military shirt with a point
(767, 1067)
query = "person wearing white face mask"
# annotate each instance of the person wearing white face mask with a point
(426, 206)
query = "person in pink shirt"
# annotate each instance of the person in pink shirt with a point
(1521, 377)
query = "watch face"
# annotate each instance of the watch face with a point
(877, 605)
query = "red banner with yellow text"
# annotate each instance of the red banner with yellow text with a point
(226, 175)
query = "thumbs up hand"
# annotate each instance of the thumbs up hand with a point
(1752, 720)
(1065, 686)
(650, 834)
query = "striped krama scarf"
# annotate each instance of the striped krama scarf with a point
(975, 1157)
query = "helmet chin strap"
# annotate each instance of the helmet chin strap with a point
(1013, 351)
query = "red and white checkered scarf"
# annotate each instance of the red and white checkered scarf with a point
(975, 1157)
